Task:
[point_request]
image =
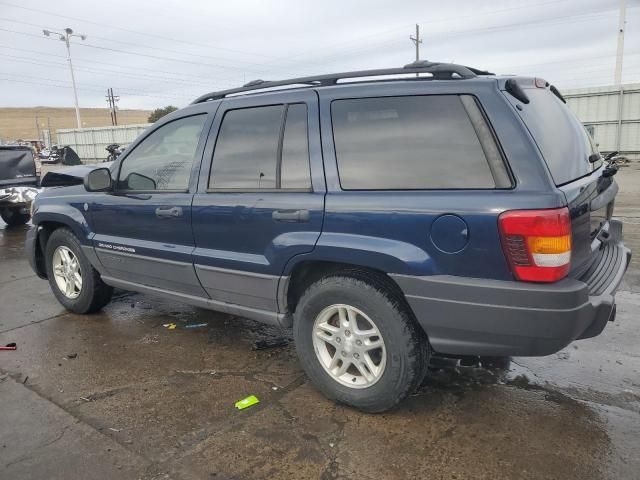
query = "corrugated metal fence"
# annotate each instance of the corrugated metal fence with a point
(90, 143)
(612, 115)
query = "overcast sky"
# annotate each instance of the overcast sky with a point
(154, 53)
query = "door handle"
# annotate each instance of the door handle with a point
(168, 212)
(291, 215)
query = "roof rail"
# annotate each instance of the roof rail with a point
(439, 71)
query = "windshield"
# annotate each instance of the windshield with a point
(564, 142)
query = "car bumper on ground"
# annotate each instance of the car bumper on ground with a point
(468, 316)
(17, 197)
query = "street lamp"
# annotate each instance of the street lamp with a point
(68, 33)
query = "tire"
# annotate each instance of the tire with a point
(93, 293)
(12, 217)
(406, 350)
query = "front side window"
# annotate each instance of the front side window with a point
(163, 160)
(412, 143)
(262, 148)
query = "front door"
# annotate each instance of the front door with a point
(143, 229)
(260, 198)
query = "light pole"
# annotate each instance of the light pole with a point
(68, 33)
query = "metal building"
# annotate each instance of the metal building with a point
(90, 143)
(612, 116)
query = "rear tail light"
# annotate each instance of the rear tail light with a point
(537, 243)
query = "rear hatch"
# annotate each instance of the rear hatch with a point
(17, 166)
(575, 165)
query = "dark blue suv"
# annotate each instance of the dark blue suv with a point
(385, 216)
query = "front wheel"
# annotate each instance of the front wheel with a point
(73, 280)
(358, 342)
(14, 217)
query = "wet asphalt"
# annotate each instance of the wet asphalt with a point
(118, 395)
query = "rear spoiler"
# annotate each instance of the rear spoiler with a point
(516, 88)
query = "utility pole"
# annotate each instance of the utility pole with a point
(620, 50)
(113, 110)
(68, 33)
(416, 41)
(110, 103)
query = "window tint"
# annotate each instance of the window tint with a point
(163, 160)
(295, 149)
(562, 139)
(418, 142)
(247, 149)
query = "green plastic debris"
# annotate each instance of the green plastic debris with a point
(247, 402)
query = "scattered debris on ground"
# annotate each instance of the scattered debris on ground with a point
(247, 402)
(270, 343)
(197, 325)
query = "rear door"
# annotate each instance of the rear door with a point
(576, 167)
(260, 197)
(143, 229)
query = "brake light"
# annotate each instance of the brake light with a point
(537, 243)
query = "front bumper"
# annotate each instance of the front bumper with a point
(17, 196)
(468, 316)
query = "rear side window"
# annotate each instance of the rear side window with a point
(295, 149)
(564, 142)
(262, 148)
(415, 142)
(246, 151)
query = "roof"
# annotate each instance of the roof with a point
(438, 71)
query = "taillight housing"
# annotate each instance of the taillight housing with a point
(537, 243)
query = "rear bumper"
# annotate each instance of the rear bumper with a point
(468, 316)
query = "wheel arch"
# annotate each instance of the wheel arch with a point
(306, 272)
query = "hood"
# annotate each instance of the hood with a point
(17, 166)
(63, 177)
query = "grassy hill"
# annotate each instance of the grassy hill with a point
(20, 123)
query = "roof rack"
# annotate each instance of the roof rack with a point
(439, 71)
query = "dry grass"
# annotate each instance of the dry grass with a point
(20, 123)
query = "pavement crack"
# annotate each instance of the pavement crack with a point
(34, 322)
(38, 447)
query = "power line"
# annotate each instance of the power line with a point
(136, 45)
(98, 88)
(114, 27)
(102, 71)
(144, 69)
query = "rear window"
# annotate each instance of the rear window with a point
(415, 142)
(564, 142)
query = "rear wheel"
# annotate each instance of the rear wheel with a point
(358, 342)
(14, 216)
(74, 281)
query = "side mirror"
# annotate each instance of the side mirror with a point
(137, 181)
(98, 180)
(609, 156)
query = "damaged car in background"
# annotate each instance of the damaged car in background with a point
(18, 183)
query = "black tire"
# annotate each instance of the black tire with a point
(12, 217)
(94, 293)
(406, 344)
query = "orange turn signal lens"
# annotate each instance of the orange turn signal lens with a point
(549, 244)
